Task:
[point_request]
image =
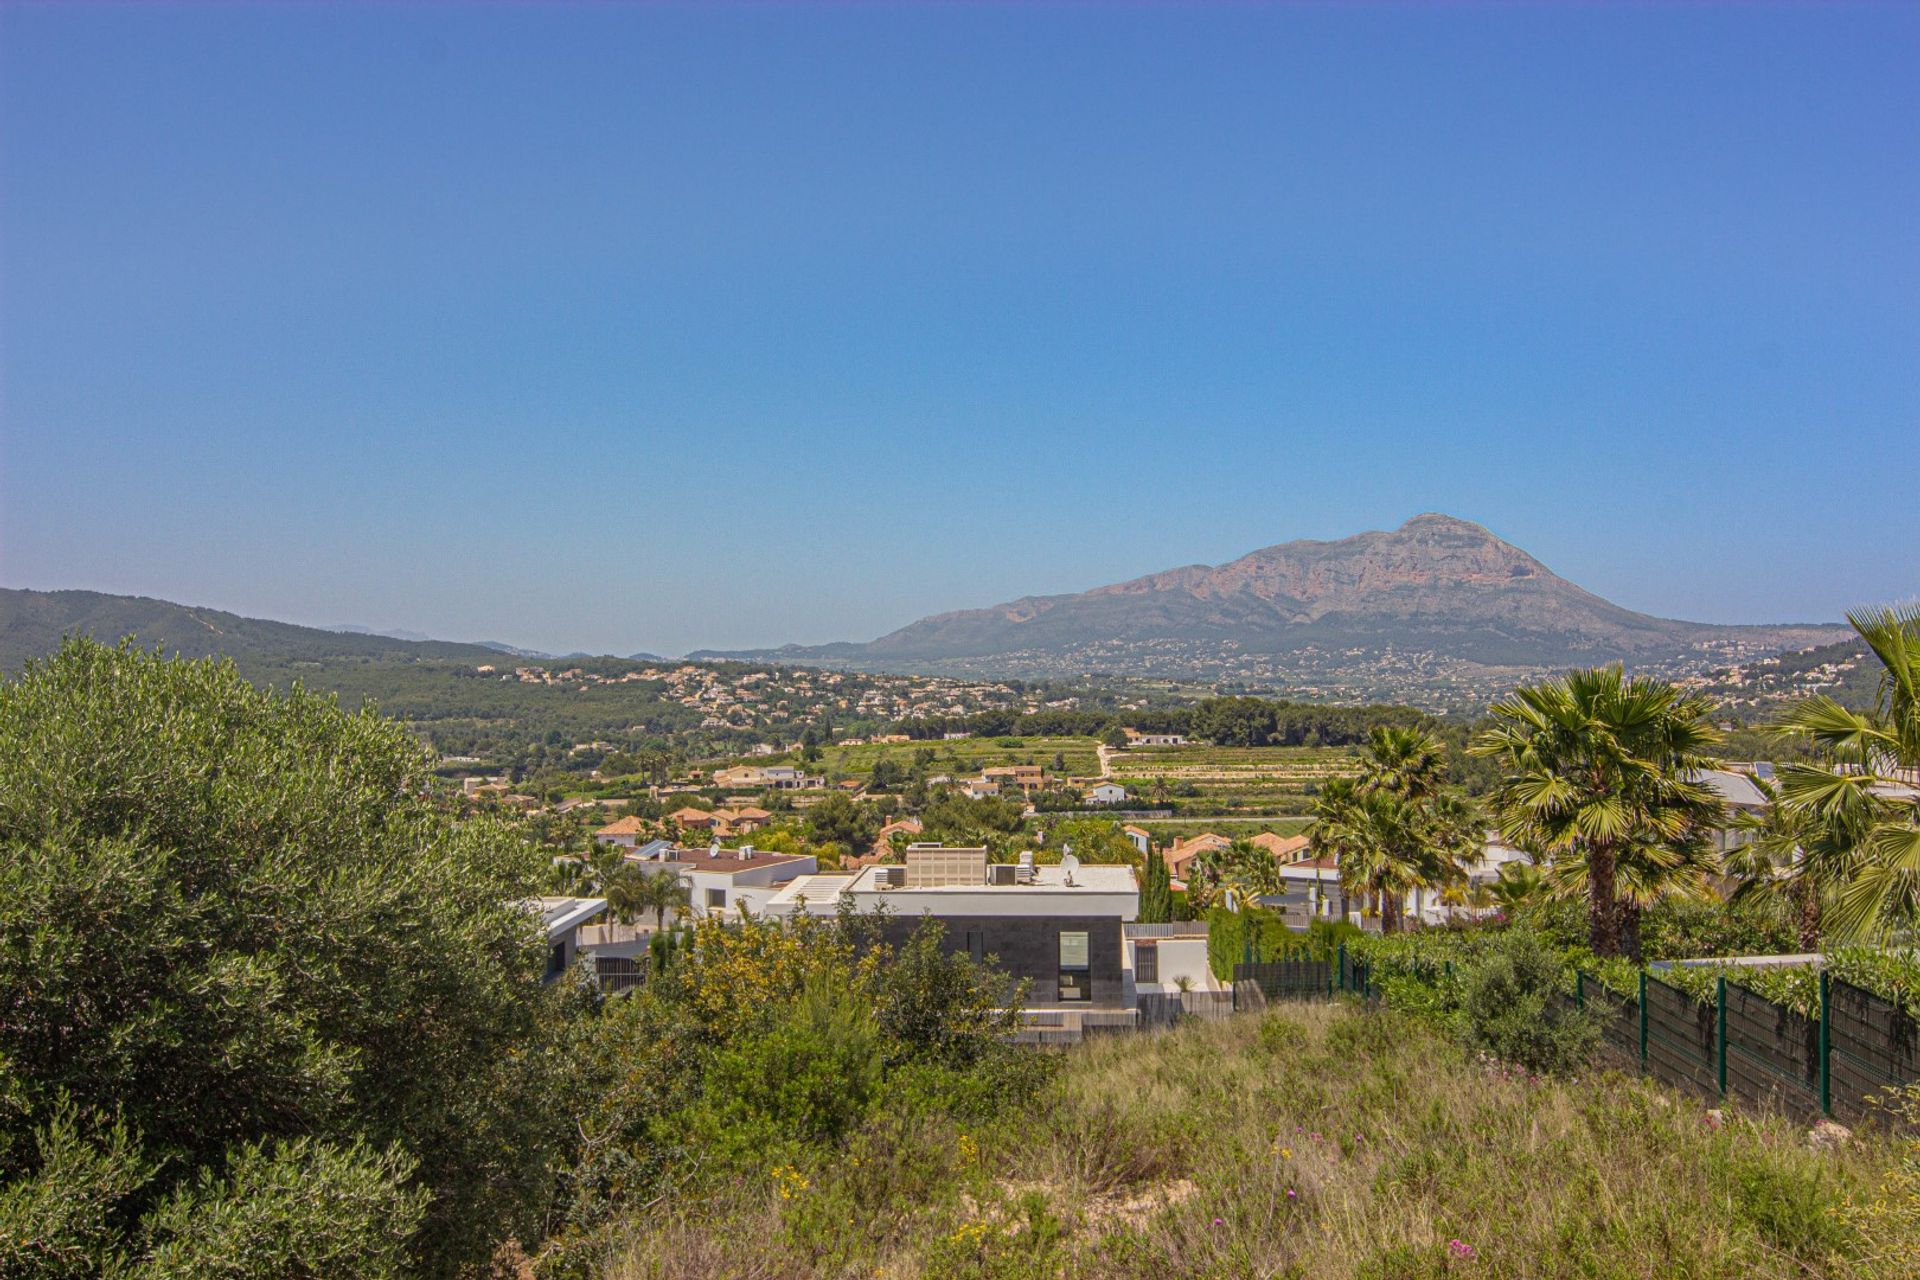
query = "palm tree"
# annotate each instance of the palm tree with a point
(1601, 782)
(628, 893)
(1250, 869)
(668, 892)
(1787, 856)
(1519, 885)
(1857, 814)
(599, 864)
(1391, 827)
(1404, 762)
(1241, 866)
(1333, 833)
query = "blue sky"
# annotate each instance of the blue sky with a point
(640, 327)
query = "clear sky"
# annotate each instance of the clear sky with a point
(640, 327)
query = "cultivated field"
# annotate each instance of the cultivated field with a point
(1203, 780)
(967, 756)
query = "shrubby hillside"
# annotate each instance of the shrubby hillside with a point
(267, 1010)
(33, 623)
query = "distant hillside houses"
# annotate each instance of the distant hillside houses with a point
(1135, 738)
(1002, 780)
(721, 822)
(769, 777)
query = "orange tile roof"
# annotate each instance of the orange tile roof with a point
(1185, 851)
(687, 815)
(622, 827)
(1280, 846)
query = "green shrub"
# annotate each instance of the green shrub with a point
(1894, 976)
(1226, 941)
(1252, 933)
(233, 917)
(1325, 938)
(297, 1210)
(65, 1219)
(1512, 1006)
(805, 1081)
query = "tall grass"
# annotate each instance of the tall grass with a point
(1314, 1141)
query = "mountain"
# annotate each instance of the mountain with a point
(355, 629)
(512, 651)
(32, 624)
(1437, 604)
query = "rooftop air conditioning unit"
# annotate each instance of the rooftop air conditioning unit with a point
(890, 877)
(1003, 873)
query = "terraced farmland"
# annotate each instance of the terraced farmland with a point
(968, 756)
(1223, 780)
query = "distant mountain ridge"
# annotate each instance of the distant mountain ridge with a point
(33, 623)
(1438, 592)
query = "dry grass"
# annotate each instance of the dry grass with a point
(1316, 1141)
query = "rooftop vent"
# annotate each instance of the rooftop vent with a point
(890, 877)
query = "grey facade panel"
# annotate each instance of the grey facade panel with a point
(1029, 947)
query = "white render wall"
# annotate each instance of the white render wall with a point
(1179, 957)
(1000, 900)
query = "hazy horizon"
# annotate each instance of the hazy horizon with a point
(655, 328)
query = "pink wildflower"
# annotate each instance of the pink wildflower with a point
(1459, 1248)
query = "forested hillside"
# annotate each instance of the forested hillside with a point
(32, 624)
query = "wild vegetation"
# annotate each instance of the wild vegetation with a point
(272, 1007)
(1316, 1140)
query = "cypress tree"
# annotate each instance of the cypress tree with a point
(1156, 893)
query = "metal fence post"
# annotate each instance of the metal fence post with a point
(1720, 1035)
(1643, 1021)
(1826, 1047)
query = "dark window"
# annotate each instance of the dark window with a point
(1074, 970)
(977, 945)
(1146, 962)
(556, 959)
(717, 898)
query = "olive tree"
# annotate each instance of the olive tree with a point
(241, 939)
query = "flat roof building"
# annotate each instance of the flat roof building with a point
(1059, 927)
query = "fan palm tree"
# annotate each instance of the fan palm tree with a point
(1333, 833)
(663, 891)
(1786, 856)
(1250, 869)
(1519, 885)
(1391, 827)
(1858, 812)
(1600, 780)
(1379, 843)
(627, 893)
(599, 864)
(1404, 762)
